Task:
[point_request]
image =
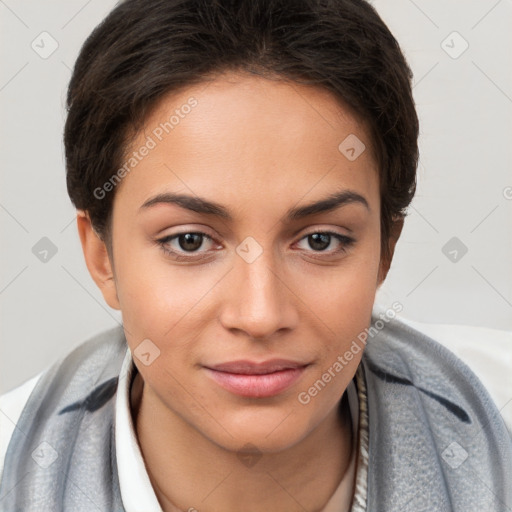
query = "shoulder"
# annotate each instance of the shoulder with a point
(480, 354)
(427, 409)
(418, 353)
(487, 352)
(11, 405)
(93, 352)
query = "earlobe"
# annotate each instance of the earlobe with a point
(97, 259)
(385, 263)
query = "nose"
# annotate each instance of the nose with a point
(259, 301)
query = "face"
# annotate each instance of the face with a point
(244, 296)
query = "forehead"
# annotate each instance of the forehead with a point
(239, 132)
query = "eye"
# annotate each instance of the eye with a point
(186, 242)
(320, 241)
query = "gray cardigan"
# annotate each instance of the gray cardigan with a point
(436, 439)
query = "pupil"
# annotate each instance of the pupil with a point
(319, 238)
(189, 243)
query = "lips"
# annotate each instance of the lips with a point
(257, 380)
(253, 368)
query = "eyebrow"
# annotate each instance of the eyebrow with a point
(201, 205)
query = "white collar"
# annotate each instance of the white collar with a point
(136, 490)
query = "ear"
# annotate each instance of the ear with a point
(385, 262)
(97, 259)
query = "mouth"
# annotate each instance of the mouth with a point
(257, 380)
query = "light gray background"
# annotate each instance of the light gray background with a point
(464, 189)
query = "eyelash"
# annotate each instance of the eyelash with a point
(346, 241)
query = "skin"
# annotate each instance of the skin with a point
(258, 147)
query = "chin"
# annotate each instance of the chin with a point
(262, 431)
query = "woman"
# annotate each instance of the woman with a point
(241, 173)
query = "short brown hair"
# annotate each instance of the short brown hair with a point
(145, 49)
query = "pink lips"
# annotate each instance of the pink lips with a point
(256, 380)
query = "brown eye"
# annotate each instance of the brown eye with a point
(190, 241)
(320, 241)
(186, 245)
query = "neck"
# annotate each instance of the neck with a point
(214, 478)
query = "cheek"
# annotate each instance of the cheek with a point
(164, 304)
(347, 314)
(157, 296)
(344, 300)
